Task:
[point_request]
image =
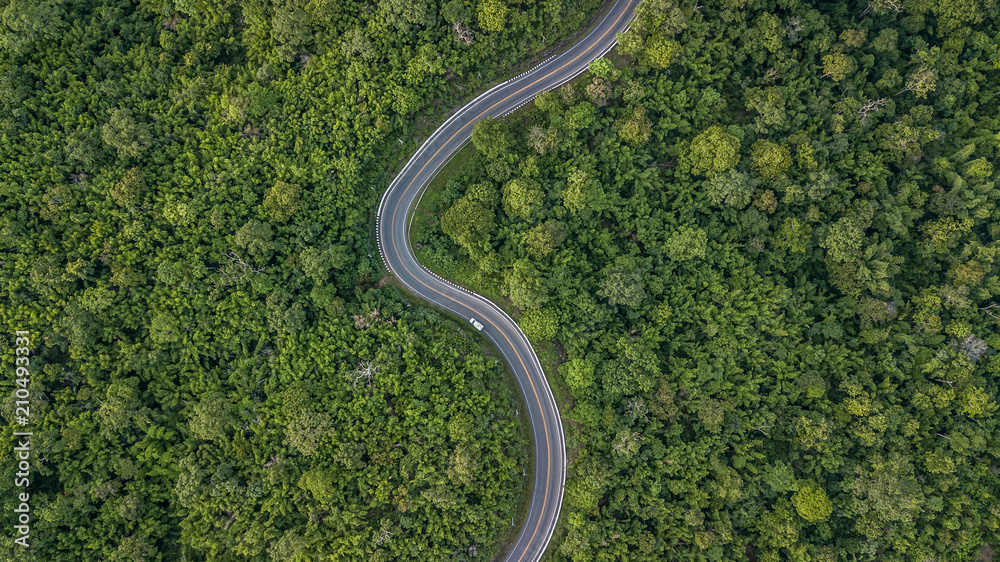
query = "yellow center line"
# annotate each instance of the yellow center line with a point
(545, 427)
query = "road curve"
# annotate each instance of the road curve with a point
(392, 226)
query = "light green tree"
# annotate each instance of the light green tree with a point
(579, 374)
(281, 201)
(687, 244)
(780, 477)
(355, 43)
(793, 235)
(636, 127)
(622, 283)
(521, 196)
(524, 286)
(731, 188)
(843, 240)
(307, 430)
(837, 66)
(123, 134)
(490, 137)
(770, 160)
(469, 222)
(492, 15)
(714, 151)
(540, 324)
(605, 69)
(210, 417)
(660, 52)
(582, 192)
(257, 238)
(812, 503)
(922, 81)
(543, 238)
(320, 484)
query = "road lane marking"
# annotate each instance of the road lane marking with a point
(460, 304)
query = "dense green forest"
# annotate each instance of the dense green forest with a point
(765, 239)
(218, 369)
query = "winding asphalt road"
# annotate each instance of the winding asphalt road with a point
(393, 220)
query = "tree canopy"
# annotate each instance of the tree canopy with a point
(773, 321)
(219, 368)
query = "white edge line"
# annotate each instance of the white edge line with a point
(489, 304)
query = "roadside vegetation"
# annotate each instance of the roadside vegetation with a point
(765, 247)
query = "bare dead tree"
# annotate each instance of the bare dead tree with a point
(235, 258)
(624, 442)
(365, 372)
(237, 269)
(973, 346)
(250, 132)
(883, 7)
(463, 33)
(536, 138)
(636, 408)
(793, 28)
(890, 5)
(383, 536)
(871, 107)
(105, 490)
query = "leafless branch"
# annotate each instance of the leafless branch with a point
(636, 408)
(894, 5)
(871, 107)
(235, 258)
(383, 536)
(921, 81)
(625, 440)
(463, 33)
(366, 372)
(237, 269)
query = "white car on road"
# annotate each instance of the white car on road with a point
(476, 323)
